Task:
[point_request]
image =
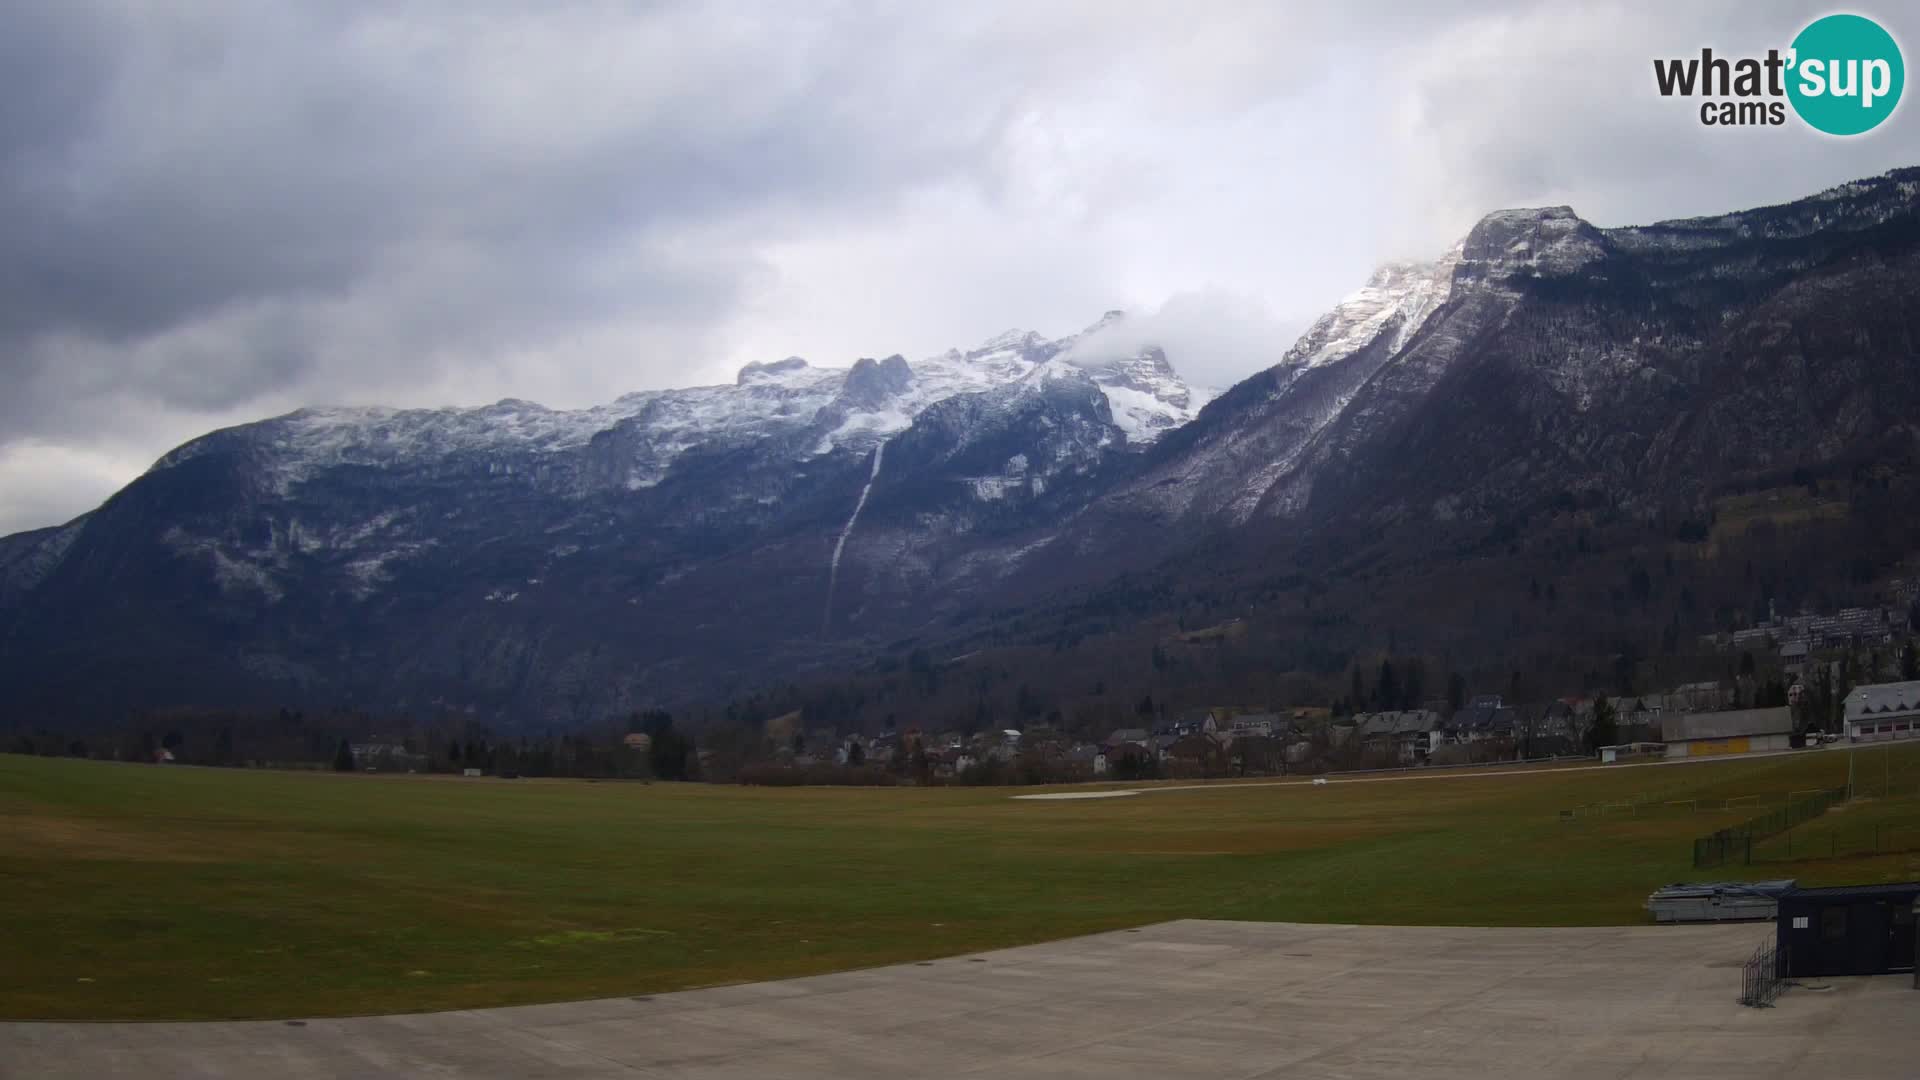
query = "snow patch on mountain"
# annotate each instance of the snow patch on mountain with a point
(841, 409)
(1549, 241)
(1400, 294)
(233, 572)
(27, 558)
(1147, 396)
(1238, 470)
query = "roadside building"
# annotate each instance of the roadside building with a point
(1410, 735)
(1555, 731)
(1131, 755)
(1194, 751)
(1247, 724)
(1088, 759)
(1640, 720)
(376, 756)
(1487, 719)
(1299, 751)
(1257, 754)
(1882, 712)
(1376, 729)
(1734, 731)
(1633, 751)
(1794, 655)
(1690, 697)
(1419, 733)
(1195, 722)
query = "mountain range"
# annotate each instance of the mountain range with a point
(535, 565)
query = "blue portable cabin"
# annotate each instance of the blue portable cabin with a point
(1847, 930)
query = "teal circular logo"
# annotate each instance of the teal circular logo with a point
(1846, 74)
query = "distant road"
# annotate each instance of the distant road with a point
(1465, 772)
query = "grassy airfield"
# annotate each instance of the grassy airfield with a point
(138, 892)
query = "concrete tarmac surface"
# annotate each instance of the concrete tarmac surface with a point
(1181, 999)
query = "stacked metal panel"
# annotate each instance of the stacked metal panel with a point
(1717, 901)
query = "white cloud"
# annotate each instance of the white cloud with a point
(43, 484)
(1556, 105)
(1213, 337)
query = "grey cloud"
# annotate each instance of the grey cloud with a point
(210, 213)
(262, 167)
(1557, 105)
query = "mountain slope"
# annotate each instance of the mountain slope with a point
(1577, 405)
(539, 566)
(553, 563)
(1544, 354)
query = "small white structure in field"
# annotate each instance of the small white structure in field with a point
(470, 772)
(1319, 781)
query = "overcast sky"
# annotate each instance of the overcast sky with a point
(211, 213)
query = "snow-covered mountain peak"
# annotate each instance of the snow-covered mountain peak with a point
(1398, 274)
(830, 409)
(871, 382)
(1147, 396)
(1550, 240)
(774, 371)
(1023, 345)
(1399, 295)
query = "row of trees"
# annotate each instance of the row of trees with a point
(290, 738)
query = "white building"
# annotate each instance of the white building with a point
(1248, 724)
(1883, 711)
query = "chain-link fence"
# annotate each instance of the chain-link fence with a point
(1736, 841)
(1834, 843)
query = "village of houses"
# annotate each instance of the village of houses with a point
(1691, 720)
(1839, 672)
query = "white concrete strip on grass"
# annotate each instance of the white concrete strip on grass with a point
(1054, 796)
(1393, 776)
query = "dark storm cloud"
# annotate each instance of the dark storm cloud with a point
(498, 173)
(133, 201)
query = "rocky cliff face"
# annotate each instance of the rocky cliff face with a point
(538, 565)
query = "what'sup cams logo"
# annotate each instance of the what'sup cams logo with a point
(1843, 75)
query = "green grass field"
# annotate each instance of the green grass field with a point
(141, 892)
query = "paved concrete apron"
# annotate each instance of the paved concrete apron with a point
(1182, 999)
